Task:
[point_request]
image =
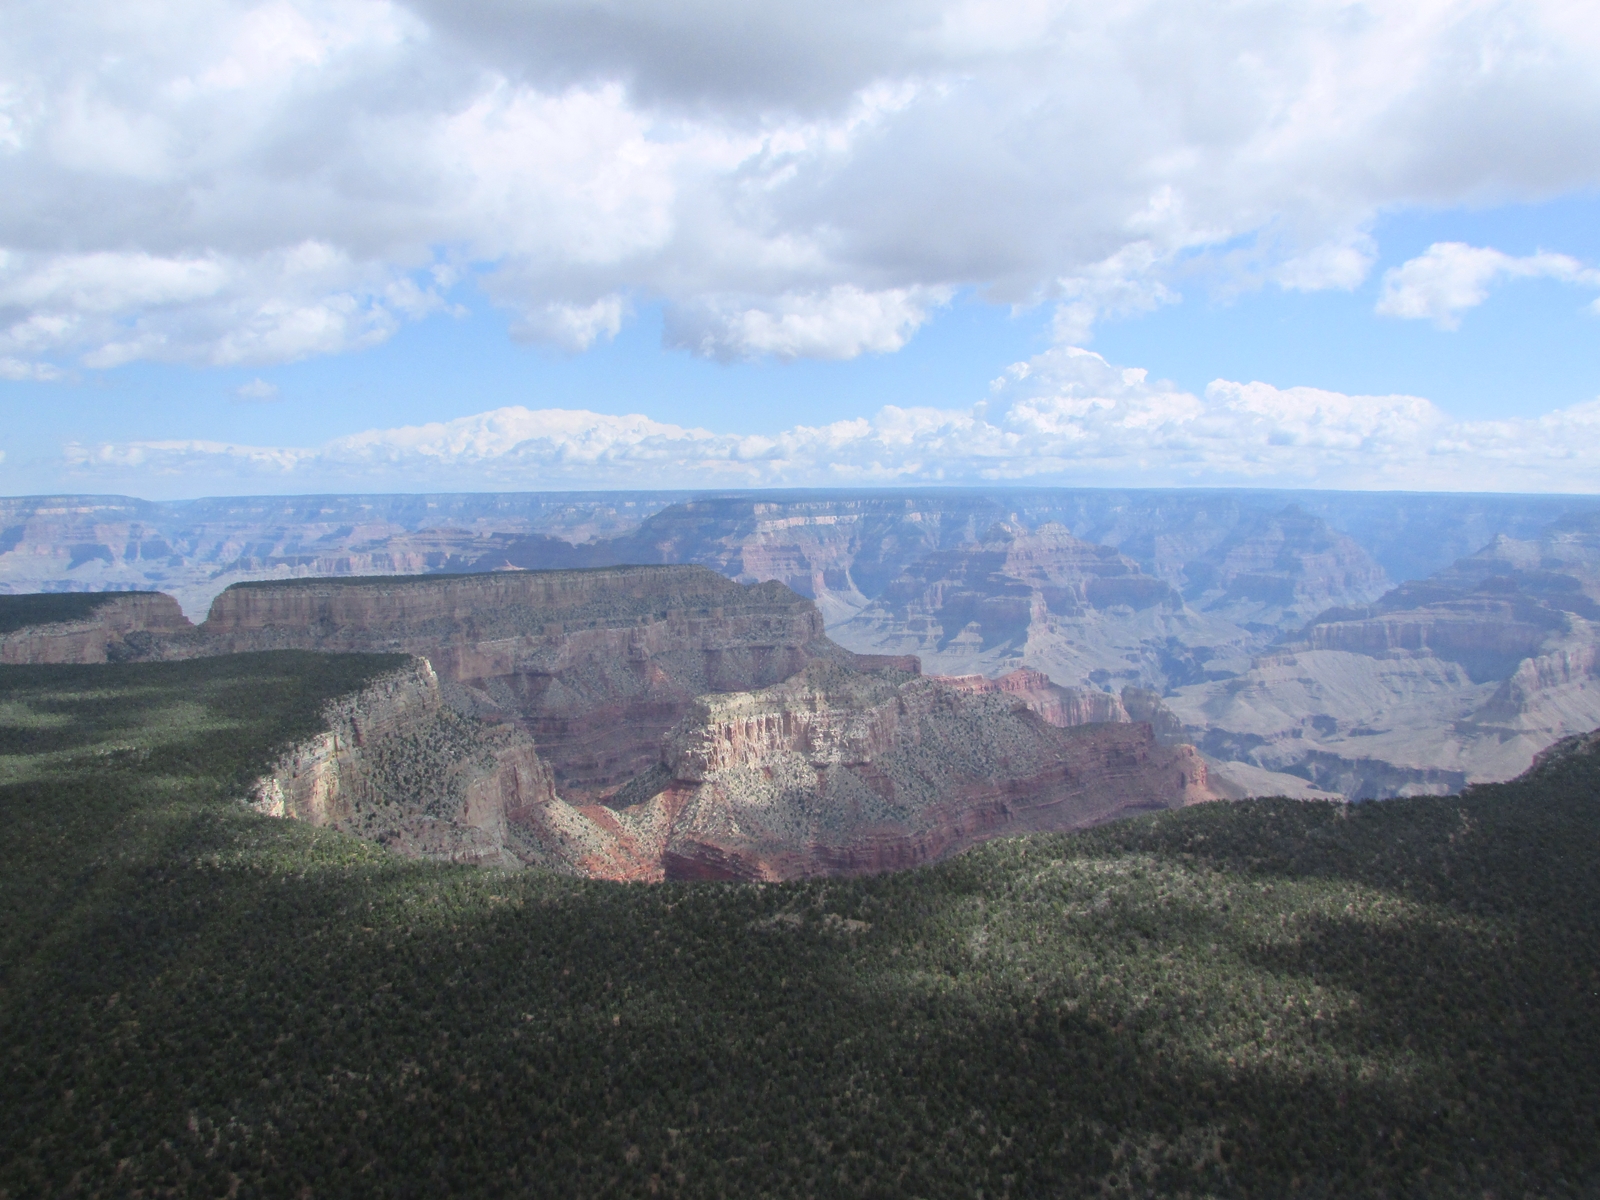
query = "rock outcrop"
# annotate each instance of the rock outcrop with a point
(87, 628)
(649, 723)
(839, 771)
(1045, 599)
(1061, 706)
(595, 664)
(1456, 679)
(1281, 569)
(394, 765)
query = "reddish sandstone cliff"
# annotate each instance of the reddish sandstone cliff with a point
(595, 664)
(836, 771)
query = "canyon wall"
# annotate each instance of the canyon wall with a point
(109, 626)
(1241, 549)
(1459, 678)
(839, 771)
(396, 766)
(595, 664)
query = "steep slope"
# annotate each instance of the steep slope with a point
(1044, 599)
(1281, 570)
(595, 664)
(86, 628)
(837, 771)
(1459, 678)
(840, 548)
(393, 764)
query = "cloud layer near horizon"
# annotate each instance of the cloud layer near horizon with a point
(1064, 417)
(225, 182)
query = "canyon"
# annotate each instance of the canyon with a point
(659, 722)
(1456, 679)
(1268, 628)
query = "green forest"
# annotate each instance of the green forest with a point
(1260, 999)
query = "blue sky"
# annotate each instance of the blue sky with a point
(1346, 245)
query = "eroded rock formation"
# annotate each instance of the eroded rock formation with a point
(1080, 612)
(650, 723)
(395, 765)
(841, 771)
(595, 664)
(1459, 678)
(107, 626)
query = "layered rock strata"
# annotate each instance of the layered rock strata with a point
(394, 765)
(595, 664)
(1456, 679)
(838, 771)
(110, 626)
(1044, 599)
(1058, 705)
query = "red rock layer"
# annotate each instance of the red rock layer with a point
(596, 664)
(1059, 705)
(837, 772)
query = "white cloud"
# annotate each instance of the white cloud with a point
(1066, 417)
(257, 391)
(1450, 277)
(17, 370)
(283, 305)
(787, 178)
(573, 327)
(842, 322)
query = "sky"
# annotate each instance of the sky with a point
(370, 245)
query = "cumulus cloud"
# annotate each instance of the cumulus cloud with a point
(1065, 417)
(254, 181)
(1450, 277)
(842, 322)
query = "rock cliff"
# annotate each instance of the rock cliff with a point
(394, 765)
(839, 771)
(1061, 706)
(595, 664)
(1045, 599)
(1459, 678)
(86, 628)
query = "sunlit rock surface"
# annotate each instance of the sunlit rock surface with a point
(839, 771)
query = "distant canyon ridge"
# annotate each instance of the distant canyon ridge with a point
(1308, 643)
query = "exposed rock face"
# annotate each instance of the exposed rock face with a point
(1056, 704)
(193, 549)
(396, 766)
(1044, 599)
(1456, 679)
(839, 548)
(837, 771)
(118, 625)
(595, 664)
(1280, 570)
(453, 802)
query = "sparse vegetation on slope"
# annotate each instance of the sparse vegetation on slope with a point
(49, 608)
(1262, 999)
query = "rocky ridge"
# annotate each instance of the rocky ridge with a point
(95, 629)
(842, 763)
(1460, 678)
(1044, 599)
(395, 765)
(838, 771)
(594, 664)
